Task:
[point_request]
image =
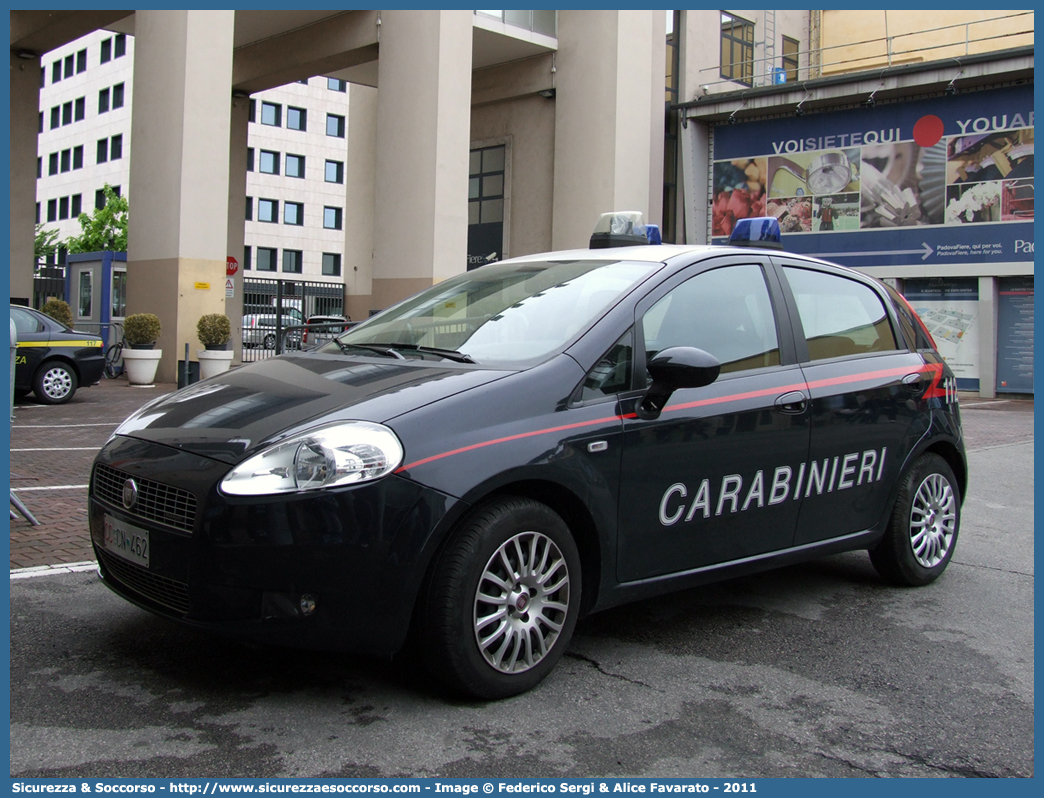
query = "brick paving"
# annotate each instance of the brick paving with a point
(52, 447)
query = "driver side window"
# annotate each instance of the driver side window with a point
(726, 312)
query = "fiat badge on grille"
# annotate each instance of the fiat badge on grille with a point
(130, 494)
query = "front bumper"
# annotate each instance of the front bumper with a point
(241, 565)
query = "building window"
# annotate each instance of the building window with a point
(790, 63)
(56, 117)
(486, 185)
(66, 160)
(269, 162)
(296, 118)
(117, 96)
(116, 148)
(81, 61)
(39, 167)
(252, 113)
(266, 259)
(99, 199)
(293, 213)
(103, 101)
(267, 211)
(77, 205)
(52, 210)
(116, 190)
(70, 65)
(334, 171)
(63, 208)
(271, 114)
(103, 151)
(80, 109)
(333, 84)
(67, 113)
(56, 71)
(737, 49)
(331, 264)
(332, 218)
(77, 157)
(292, 261)
(120, 47)
(295, 165)
(38, 213)
(250, 209)
(106, 50)
(246, 258)
(52, 164)
(335, 126)
(40, 129)
(250, 159)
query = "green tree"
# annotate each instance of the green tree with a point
(46, 243)
(106, 228)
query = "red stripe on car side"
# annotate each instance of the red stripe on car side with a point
(867, 375)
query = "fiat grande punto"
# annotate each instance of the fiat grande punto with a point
(479, 466)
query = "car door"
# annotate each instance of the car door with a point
(33, 345)
(710, 480)
(864, 385)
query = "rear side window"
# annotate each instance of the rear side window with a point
(840, 317)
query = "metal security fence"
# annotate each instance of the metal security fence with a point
(48, 282)
(272, 308)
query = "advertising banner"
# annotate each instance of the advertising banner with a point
(1015, 335)
(937, 182)
(949, 308)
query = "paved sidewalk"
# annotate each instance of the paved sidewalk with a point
(52, 448)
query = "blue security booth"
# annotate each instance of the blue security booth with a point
(96, 290)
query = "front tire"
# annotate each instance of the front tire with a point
(502, 600)
(926, 520)
(55, 383)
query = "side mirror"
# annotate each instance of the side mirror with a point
(674, 368)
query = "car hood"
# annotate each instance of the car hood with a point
(231, 416)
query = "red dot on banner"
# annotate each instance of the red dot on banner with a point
(928, 130)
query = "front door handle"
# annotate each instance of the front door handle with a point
(793, 403)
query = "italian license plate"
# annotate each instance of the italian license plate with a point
(127, 541)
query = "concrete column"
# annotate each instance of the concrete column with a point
(988, 337)
(24, 121)
(360, 186)
(237, 161)
(610, 67)
(423, 122)
(179, 169)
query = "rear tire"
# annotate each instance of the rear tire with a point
(501, 600)
(923, 529)
(54, 382)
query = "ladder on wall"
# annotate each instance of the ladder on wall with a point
(768, 45)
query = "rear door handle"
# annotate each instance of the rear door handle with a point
(913, 382)
(793, 403)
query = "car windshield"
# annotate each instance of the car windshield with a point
(500, 313)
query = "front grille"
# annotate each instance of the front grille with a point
(173, 507)
(159, 589)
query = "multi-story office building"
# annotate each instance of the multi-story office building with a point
(295, 182)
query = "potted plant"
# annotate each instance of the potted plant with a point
(141, 331)
(59, 310)
(214, 331)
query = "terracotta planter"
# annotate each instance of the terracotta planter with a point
(213, 361)
(141, 365)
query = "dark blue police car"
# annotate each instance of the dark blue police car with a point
(482, 464)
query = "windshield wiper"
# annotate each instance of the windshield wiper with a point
(380, 349)
(449, 354)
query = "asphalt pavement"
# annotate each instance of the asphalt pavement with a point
(813, 670)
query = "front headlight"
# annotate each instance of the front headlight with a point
(342, 453)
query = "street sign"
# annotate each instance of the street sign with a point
(231, 266)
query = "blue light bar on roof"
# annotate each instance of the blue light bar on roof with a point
(760, 231)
